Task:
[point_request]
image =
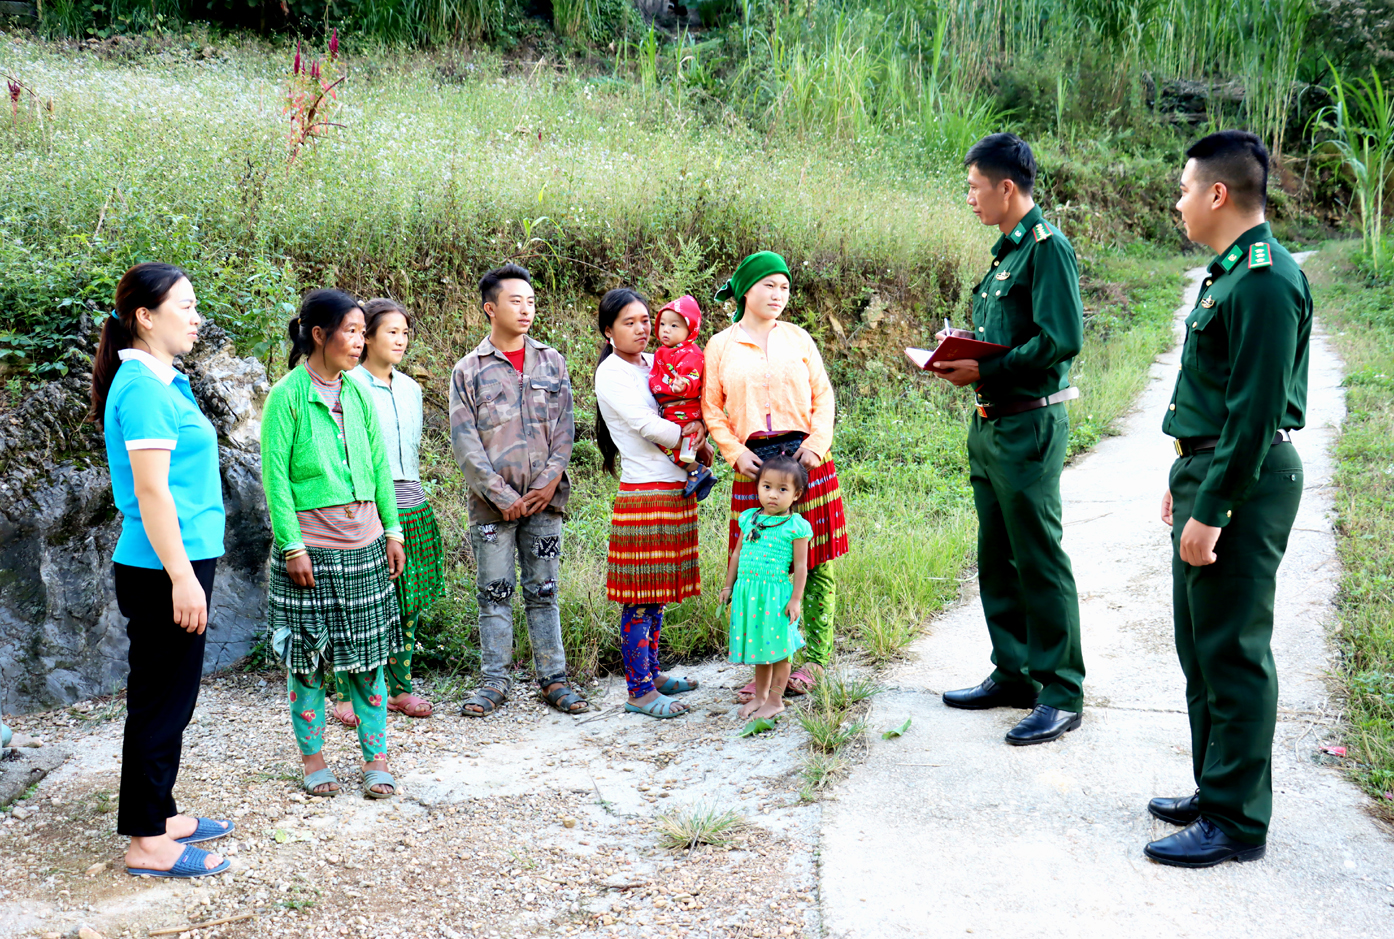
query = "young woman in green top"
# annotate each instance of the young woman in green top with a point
(338, 543)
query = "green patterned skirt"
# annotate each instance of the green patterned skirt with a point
(422, 582)
(347, 622)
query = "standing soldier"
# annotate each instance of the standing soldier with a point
(1232, 498)
(1028, 301)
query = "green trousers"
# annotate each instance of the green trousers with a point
(397, 669)
(819, 610)
(1224, 631)
(1027, 584)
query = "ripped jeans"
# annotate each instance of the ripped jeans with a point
(533, 543)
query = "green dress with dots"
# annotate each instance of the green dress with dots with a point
(761, 633)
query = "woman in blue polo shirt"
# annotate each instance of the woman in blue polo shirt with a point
(163, 457)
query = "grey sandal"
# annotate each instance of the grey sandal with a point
(377, 777)
(488, 699)
(318, 778)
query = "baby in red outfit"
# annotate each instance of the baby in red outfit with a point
(676, 382)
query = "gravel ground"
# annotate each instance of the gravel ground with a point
(527, 823)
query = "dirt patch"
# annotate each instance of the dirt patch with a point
(528, 823)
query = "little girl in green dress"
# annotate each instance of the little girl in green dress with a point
(766, 603)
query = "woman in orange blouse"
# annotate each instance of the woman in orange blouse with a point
(767, 392)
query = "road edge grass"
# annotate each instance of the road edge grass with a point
(1356, 309)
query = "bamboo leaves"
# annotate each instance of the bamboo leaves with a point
(1362, 124)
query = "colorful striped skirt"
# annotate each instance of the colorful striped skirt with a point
(347, 621)
(653, 545)
(422, 582)
(821, 506)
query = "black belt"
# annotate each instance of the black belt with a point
(991, 411)
(1192, 445)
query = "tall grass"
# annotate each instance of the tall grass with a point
(1361, 119)
(1359, 312)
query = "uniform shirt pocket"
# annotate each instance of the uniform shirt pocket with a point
(1201, 329)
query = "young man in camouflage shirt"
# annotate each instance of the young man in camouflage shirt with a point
(512, 429)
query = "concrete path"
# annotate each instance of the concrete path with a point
(948, 831)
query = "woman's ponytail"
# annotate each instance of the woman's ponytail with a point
(297, 348)
(611, 305)
(603, 441)
(144, 286)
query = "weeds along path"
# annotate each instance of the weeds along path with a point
(948, 831)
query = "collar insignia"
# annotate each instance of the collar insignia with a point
(1004, 275)
(1208, 302)
(1042, 232)
(1232, 258)
(1017, 234)
(1260, 255)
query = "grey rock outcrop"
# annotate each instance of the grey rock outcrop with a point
(62, 637)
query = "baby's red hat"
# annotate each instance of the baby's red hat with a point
(686, 307)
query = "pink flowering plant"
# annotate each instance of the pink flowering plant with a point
(312, 96)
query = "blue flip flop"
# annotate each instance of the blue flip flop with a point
(207, 830)
(192, 863)
(661, 707)
(679, 685)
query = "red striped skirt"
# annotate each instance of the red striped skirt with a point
(821, 507)
(653, 545)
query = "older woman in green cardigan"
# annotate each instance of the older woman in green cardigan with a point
(338, 544)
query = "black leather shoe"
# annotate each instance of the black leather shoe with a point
(1202, 844)
(1043, 724)
(1180, 811)
(991, 695)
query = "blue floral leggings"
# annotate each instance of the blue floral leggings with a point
(639, 629)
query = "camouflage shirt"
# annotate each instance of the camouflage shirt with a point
(511, 432)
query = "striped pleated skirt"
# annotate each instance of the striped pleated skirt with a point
(348, 621)
(422, 582)
(653, 545)
(821, 507)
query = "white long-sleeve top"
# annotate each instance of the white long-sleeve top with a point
(636, 424)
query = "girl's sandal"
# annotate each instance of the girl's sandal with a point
(746, 694)
(411, 706)
(377, 777)
(319, 778)
(661, 707)
(679, 685)
(801, 682)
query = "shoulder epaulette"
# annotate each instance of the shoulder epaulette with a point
(1042, 231)
(1260, 255)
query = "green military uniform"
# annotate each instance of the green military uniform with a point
(1029, 300)
(1243, 377)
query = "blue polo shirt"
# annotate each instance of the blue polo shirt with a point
(151, 407)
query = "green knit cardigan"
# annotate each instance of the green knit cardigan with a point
(307, 464)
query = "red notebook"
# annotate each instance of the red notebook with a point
(953, 348)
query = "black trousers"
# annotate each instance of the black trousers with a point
(166, 667)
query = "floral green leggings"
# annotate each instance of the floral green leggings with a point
(398, 668)
(308, 714)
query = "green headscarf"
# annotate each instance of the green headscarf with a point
(752, 270)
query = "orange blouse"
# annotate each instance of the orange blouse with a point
(747, 392)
